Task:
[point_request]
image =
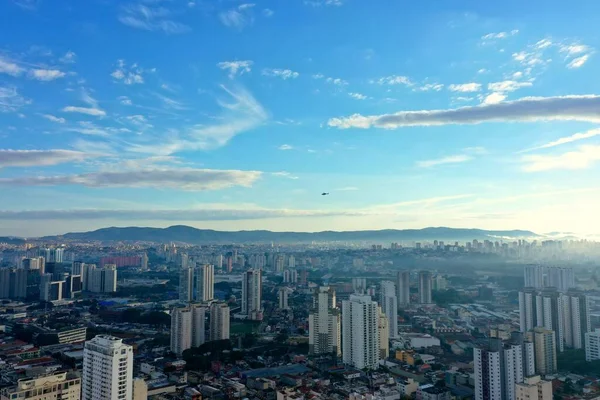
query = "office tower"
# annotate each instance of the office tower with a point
(290, 276)
(545, 350)
(181, 330)
(324, 324)
(534, 276)
(550, 313)
(50, 290)
(389, 305)
(291, 262)
(58, 385)
(527, 309)
(533, 388)
(18, 284)
(592, 345)
(384, 335)
(86, 272)
(36, 263)
(561, 278)
(283, 295)
(59, 255)
(186, 284)
(205, 282)
(107, 369)
(403, 287)
(103, 280)
(425, 287)
(219, 321)
(359, 285)
(71, 287)
(5, 283)
(487, 364)
(252, 294)
(576, 319)
(360, 332)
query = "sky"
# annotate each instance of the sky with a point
(234, 115)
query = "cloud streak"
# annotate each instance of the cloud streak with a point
(455, 159)
(147, 18)
(236, 67)
(96, 112)
(528, 109)
(568, 139)
(582, 158)
(30, 158)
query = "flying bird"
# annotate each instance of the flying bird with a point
(324, 194)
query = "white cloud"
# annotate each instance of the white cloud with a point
(507, 86)
(267, 12)
(318, 76)
(336, 81)
(455, 159)
(46, 74)
(236, 67)
(53, 118)
(241, 16)
(280, 73)
(321, 3)
(29, 5)
(285, 147)
(184, 179)
(129, 75)
(126, 101)
(147, 18)
(543, 44)
(96, 112)
(578, 62)
(170, 103)
(494, 98)
(569, 139)
(11, 100)
(528, 109)
(575, 49)
(465, 87)
(30, 158)
(582, 158)
(357, 96)
(284, 174)
(10, 68)
(431, 86)
(394, 80)
(69, 57)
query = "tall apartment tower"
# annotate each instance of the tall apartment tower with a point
(512, 369)
(219, 321)
(389, 305)
(534, 276)
(527, 309)
(186, 283)
(107, 369)
(359, 285)
(205, 282)
(561, 278)
(425, 287)
(102, 280)
(252, 294)
(384, 335)
(576, 319)
(360, 332)
(403, 288)
(181, 330)
(198, 324)
(550, 313)
(324, 324)
(487, 364)
(545, 350)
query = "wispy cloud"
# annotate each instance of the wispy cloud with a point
(465, 87)
(128, 74)
(568, 139)
(582, 158)
(236, 67)
(285, 147)
(336, 81)
(46, 74)
(126, 101)
(430, 87)
(238, 17)
(528, 109)
(394, 80)
(140, 16)
(321, 3)
(357, 96)
(184, 179)
(280, 73)
(11, 100)
(507, 86)
(69, 58)
(53, 118)
(29, 5)
(96, 112)
(578, 62)
(499, 35)
(455, 159)
(267, 12)
(170, 103)
(29, 158)
(9, 67)
(284, 174)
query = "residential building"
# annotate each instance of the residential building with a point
(550, 313)
(545, 350)
(181, 330)
(219, 321)
(107, 369)
(360, 332)
(576, 319)
(205, 282)
(534, 276)
(59, 385)
(359, 285)
(186, 283)
(102, 280)
(283, 294)
(533, 388)
(384, 335)
(290, 276)
(324, 323)
(403, 288)
(527, 309)
(425, 287)
(561, 278)
(487, 365)
(592, 345)
(198, 331)
(389, 305)
(252, 294)
(432, 392)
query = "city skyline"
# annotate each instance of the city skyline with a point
(168, 128)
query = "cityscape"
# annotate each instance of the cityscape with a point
(475, 320)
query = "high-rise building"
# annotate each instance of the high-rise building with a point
(283, 294)
(59, 385)
(252, 294)
(18, 284)
(545, 350)
(425, 287)
(205, 282)
(384, 335)
(5, 283)
(198, 332)
(359, 285)
(487, 364)
(527, 309)
(181, 330)
(59, 255)
(550, 313)
(533, 388)
(103, 280)
(576, 319)
(534, 276)
(403, 287)
(561, 278)
(290, 276)
(107, 369)
(50, 290)
(291, 261)
(512, 372)
(186, 283)
(592, 345)
(219, 321)
(324, 324)
(360, 332)
(528, 352)
(389, 305)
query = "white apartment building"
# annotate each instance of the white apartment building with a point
(181, 330)
(205, 282)
(488, 374)
(324, 321)
(389, 304)
(219, 321)
(283, 295)
(107, 369)
(186, 283)
(102, 280)
(403, 287)
(360, 332)
(60, 385)
(592, 345)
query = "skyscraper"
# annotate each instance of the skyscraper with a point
(534, 276)
(324, 324)
(488, 372)
(360, 332)
(107, 369)
(186, 283)
(403, 287)
(576, 319)
(283, 294)
(181, 330)
(219, 321)
(561, 278)
(205, 282)
(425, 287)
(359, 285)
(527, 309)
(252, 294)
(389, 305)
(512, 372)
(102, 280)
(384, 335)
(545, 350)
(198, 331)
(550, 313)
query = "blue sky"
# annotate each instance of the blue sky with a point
(237, 115)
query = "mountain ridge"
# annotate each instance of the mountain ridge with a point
(187, 234)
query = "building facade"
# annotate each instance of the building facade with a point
(107, 369)
(252, 294)
(403, 288)
(389, 304)
(324, 324)
(360, 332)
(425, 287)
(60, 385)
(219, 321)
